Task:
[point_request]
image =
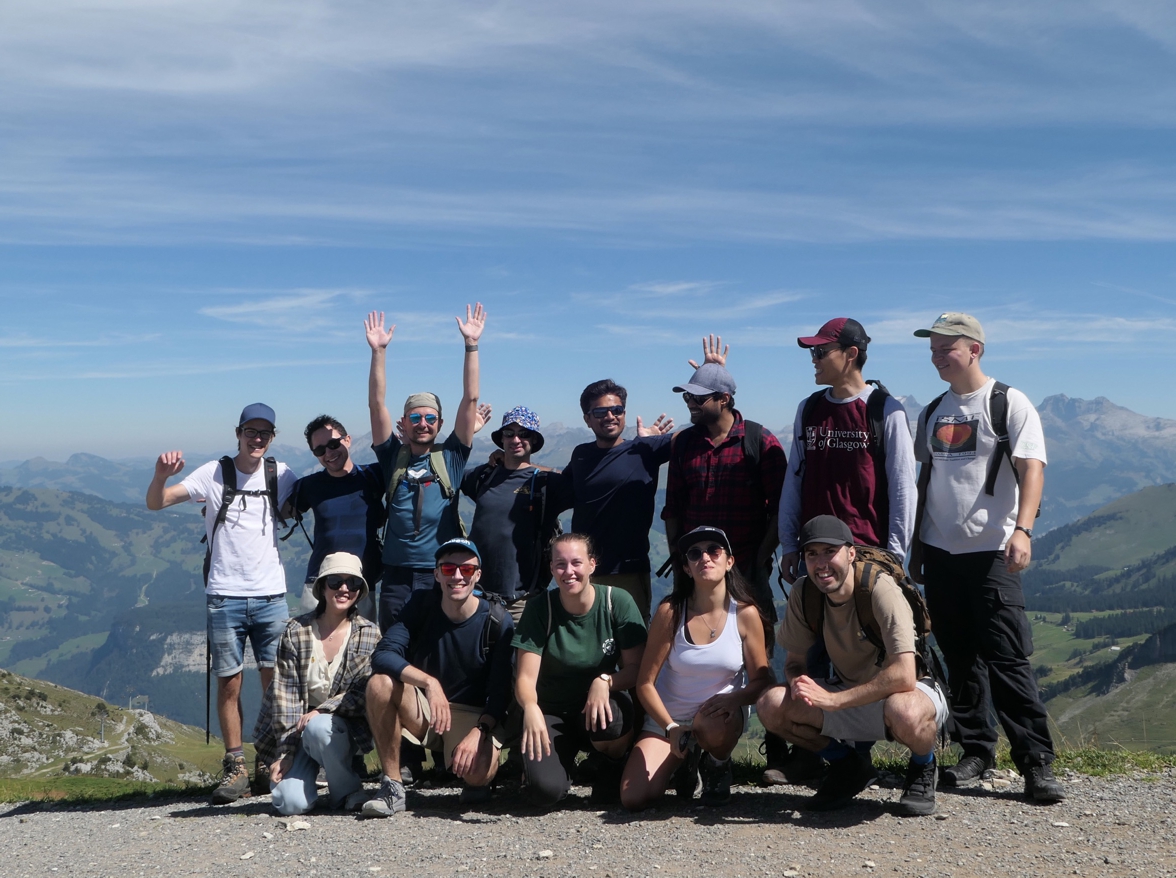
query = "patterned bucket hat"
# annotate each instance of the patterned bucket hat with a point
(525, 418)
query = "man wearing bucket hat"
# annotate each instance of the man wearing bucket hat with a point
(983, 454)
(422, 476)
(878, 692)
(441, 678)
(314, 714)
(244, 581)
(515, 513)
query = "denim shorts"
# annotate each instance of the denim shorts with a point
(233, 619)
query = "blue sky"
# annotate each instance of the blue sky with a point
(199, 201)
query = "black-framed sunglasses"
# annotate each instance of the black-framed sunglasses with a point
(263, 435)
(416, 417)
(821, 353)
(601, 410)
(333, 445)
(525, 435)
(700, 400)
(695, 553)
(334, 583)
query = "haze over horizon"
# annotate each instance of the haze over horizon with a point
(200, 201)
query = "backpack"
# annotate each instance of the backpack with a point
(875, 420)
(753, 448)
(437, 465)
(231, 493)
(491, 629)
(867, 566)
(544, 533)
(998, 412)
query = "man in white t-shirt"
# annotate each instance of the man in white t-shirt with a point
(978, 497)
(245, 583)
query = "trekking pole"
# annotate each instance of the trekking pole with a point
(207, 692)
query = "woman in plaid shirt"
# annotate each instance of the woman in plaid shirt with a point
(313, 713)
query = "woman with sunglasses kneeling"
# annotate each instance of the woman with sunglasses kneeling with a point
(579, 647)
(313, 714)
(705, 665)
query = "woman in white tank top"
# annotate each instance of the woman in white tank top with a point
(705, 664)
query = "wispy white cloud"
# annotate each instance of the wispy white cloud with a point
(104, 341)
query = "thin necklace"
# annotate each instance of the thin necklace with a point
(714, 632)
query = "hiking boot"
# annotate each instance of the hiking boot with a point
(260, 786)
(918, 791)
(473, 795)
(775, 751)
(234, 781)
(686, 780)
(967, 771)
(716, 780)
(803, 767)
(387, 802)
(845, 778)
(1042, 787)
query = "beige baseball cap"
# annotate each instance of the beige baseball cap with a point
(954, 323)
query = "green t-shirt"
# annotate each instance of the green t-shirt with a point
(580, 648)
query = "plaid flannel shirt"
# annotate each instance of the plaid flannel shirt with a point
(285, 700)
(711, 485)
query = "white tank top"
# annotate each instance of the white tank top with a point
(693, 672)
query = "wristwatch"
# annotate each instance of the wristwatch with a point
(1027, 531)
(607, 679)
(484, 728)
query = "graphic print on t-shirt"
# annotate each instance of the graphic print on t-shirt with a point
(954, 437)
(822, 438)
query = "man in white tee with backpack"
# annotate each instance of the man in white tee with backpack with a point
(982, 451)
(245, 583)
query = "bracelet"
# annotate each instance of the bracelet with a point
(1025, 530)
(470, 348)
(673, 725)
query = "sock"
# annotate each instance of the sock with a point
(925, 759)
(833, 751)
(236, 752)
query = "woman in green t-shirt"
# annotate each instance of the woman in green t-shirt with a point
(579, 648)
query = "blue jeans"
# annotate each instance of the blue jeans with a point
(397, 585)
(325, 742)
(232, 619)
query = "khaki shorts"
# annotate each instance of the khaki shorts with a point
(866, 723)
(462, 720)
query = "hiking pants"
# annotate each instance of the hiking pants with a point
(549, 778)
(978, 618)
(325, 741)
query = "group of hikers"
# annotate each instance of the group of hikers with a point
(426, 638)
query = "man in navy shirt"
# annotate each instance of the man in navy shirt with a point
(612, 486)
(441, 677)
(421, 477)
(347, 501)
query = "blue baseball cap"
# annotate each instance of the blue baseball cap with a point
(457, 545)
(258, 411)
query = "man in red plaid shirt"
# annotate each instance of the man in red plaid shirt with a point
(714, 479)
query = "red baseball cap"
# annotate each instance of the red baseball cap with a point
(843, 330)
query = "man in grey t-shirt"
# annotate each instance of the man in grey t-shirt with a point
(513, 517)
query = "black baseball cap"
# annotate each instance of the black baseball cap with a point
(826, 529)
(704, 534)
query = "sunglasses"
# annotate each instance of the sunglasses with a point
(695, 553)
(320, 450)
(264, 435)
(334, 583)
(601, 410)
(821, 353)
(525, 435)
(416, 417)
(467, 570)
(700, 400)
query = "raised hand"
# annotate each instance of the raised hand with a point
(659, 427)
(483, 417)
(377, 336)
(475, 322)
(711, 352)
(170, 463)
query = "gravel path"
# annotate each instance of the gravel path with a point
(1117, 826)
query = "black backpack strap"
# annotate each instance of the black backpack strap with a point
(228, 495)
(998, 412)
(876, 416)
(271, 489)
(753, 448)
(806, 419)
(495, 621)
(297, 513)
(483, 480)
